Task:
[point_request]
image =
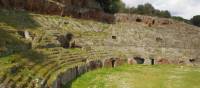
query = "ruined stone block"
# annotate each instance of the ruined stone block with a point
(92, 65)
(148, 20)
(113, 62)
(162, 61)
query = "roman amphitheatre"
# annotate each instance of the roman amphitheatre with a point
(75, 44)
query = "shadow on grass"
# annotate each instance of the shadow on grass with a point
(11, 44)
(17, 19)
(19, 51)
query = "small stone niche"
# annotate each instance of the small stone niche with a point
(113, 62)
(192, 60)
(152, 61)
(114, 37)
(158, 39)
(139, 60)
(138, 20)
(153, 22)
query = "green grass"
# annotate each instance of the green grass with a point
(17, 19)
(140, 76)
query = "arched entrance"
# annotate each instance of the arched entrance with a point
(139, 60)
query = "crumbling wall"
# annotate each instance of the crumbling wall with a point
(162, 61)
(150, 21)
(113, 62)
(72, 73)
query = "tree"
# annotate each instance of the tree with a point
(111, 6)
(196, 20)
(148, 9)
(165, 14)
(123, 8)
(140, 9)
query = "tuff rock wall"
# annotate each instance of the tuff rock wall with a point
(149, 20)
(86, 9)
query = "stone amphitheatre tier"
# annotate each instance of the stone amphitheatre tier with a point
(62, 48)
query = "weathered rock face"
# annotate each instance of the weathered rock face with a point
(87, 9)
(72, 73)
(66, 40)
(113, 62)
(10, 42)
(50, 5)
(150, 21)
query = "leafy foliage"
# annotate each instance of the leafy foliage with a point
(196, 20)
(111, 6)
(147, 9)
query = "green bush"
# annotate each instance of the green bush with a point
(196, 20)
(147, 9)
(111, 6)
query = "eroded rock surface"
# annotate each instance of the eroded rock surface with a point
(86, 9)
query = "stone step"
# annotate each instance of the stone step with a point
(56, 66)
(22, 80)
(25, 82)
(55, 63)
(2, 78)
(53, 57)
(31, 84)
(11, 84)
(47, 69)
(54, 70)
(64, 62)
(37, 69)
(6, 81)
(20, 84)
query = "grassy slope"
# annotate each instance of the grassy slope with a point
(141, 76)
(35, 63)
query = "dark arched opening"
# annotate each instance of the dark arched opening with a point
(113, 63)
(153, 22)
(192, 60)
(138, 20)
(152, 61)
(139, 60)
(114, 37)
